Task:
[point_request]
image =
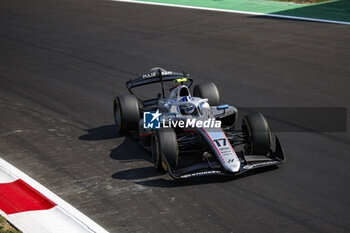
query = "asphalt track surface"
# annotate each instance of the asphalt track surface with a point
(62, 63)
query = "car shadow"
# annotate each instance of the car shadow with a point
(137, 173)
(171, 183)
(129, 151)
(100, 133)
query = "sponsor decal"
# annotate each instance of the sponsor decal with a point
(256, 165)
(155, 74)
(200, 174)
(223, 148)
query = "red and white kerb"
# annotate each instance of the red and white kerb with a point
(31, 207)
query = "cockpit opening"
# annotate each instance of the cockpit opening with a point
(184, 91)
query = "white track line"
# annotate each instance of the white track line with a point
(235, 11)
(62, 205)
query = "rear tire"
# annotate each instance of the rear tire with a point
(164, 142)
(209, 91)
(258, 133)
(126, 113)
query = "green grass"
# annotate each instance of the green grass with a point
(303, 1)
(6, 227)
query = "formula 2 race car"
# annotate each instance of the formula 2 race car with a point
(193, 135)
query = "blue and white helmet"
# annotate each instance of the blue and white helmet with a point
(187, 109)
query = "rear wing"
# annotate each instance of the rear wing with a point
(155, 77)
(158, 77)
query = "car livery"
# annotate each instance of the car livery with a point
(194, 134)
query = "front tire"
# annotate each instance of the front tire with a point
(126, 113)
(164, 142)
(258, 134)
(209, 91)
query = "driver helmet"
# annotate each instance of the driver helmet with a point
(187, 109)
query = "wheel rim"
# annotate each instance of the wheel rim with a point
(117, 116)
(248, 147)
(155, 152)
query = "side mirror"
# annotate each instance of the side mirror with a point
(220, 107)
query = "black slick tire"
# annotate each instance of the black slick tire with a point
(209, 91)
(257, 131)
(126, 113)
